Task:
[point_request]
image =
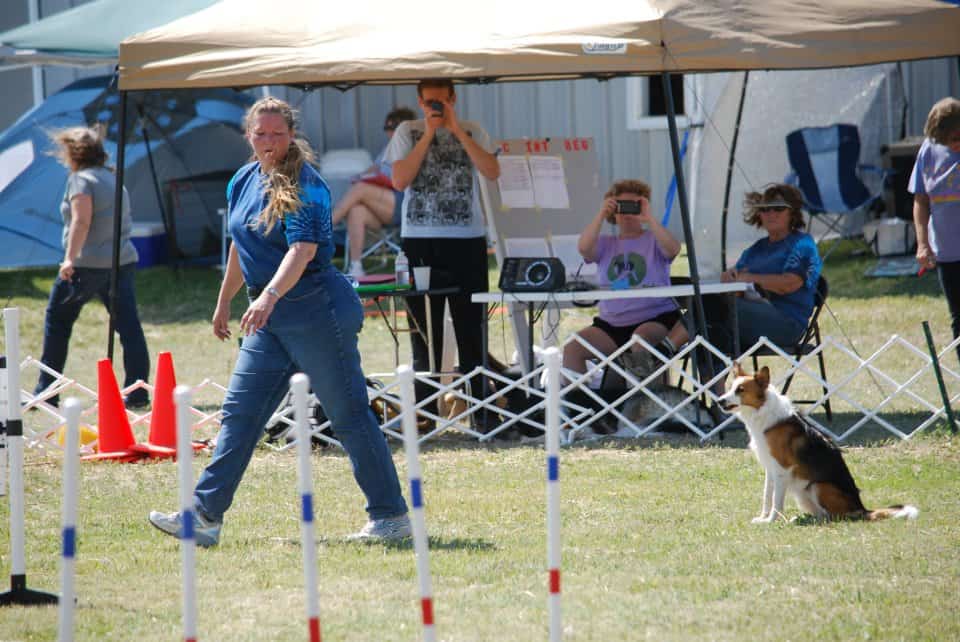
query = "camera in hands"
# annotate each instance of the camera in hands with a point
(435, 105)
(629, 207)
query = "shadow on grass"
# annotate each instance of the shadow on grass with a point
(845, 269)
(435, 543)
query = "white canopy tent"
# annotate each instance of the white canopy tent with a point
(301, 42)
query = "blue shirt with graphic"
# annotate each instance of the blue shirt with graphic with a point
(795, 254)
(260, 253)
(936, 173)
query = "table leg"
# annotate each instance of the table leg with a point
(430, 355)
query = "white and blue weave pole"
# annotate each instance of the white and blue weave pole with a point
(551, 358)
(421, 546)
(71, 482)
(188, 544)
(300, 387)
(12, 420)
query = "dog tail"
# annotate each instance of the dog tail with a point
(899, 511)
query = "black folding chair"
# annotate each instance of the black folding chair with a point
(808, 342)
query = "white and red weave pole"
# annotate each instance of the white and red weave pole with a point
(421, 547)
(300, 386)
(551, 358)
(188, 544)
(71, 476)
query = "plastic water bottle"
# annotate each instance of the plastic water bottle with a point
(402, 269)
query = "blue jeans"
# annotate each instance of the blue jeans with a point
(313, 329)
(761, 319)
(67, 298)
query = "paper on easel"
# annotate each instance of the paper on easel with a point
(526, 247)
(515, 183)
(565, 249)
(549, 182)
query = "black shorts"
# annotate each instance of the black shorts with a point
(622, 334)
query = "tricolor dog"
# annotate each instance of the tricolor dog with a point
(796, 457)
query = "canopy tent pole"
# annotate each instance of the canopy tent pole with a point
(699, 317)
(730, 163)
(117, 220)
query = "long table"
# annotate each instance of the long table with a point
(531, 299)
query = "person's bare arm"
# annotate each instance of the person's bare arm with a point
(81, 215)
(231, 284)
(587, 243)
(921, 219)
(784, 283)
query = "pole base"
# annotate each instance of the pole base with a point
(20, 595)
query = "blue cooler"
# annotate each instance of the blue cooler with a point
(150, 239)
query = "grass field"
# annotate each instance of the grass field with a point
(657, 540)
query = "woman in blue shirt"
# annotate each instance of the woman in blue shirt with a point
(784, 267)
(303, 316)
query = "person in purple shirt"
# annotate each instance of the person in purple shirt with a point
(935, 185)
(639, 255)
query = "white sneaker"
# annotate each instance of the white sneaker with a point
(205, 532)
(388, 529)
(356, 269)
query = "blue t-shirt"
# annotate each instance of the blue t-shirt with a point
(260, 254)
(795, 254)
(936, 173)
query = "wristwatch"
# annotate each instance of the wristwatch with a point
(272, 291)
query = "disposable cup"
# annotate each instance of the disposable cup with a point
(421, 277)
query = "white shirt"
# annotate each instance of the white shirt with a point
(443, 200)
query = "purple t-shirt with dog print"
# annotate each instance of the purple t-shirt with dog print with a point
(633, 263)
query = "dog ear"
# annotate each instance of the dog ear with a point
(763, 377)
(738, 369)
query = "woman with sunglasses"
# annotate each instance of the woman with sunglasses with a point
(783, 267)
(372, 202)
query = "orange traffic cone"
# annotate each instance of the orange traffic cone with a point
(162, 440)
(115, 437)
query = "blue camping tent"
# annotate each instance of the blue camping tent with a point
(192, 139)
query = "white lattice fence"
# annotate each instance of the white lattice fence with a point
(893, 388)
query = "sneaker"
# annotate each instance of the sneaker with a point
(206, 532)
(356, 269)
(136, 402)
(388, 529)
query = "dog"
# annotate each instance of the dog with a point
(642, 411)
(796, 457)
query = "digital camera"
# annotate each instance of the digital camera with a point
(435, 105)
(629, 207)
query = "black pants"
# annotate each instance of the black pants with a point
(453, 262)
(949, 274)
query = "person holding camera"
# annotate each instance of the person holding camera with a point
(639, 255)
(437, 161)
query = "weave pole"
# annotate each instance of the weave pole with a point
(13, 426)
(421, 547)
(551, 358)
(188, 544)
(71, 476)
(300, 386)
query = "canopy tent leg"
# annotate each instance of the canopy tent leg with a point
(699, 317)
(117, 220)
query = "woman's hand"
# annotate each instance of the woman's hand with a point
(729, 276)
(221, 321)
(609, 208)
(66, 270)
(257, 314)
(925, 256)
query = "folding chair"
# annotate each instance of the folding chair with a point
(826, 169)
(808, 342)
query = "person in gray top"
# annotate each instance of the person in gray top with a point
(88, 210)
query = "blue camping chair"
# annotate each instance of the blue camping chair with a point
(826, 169)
